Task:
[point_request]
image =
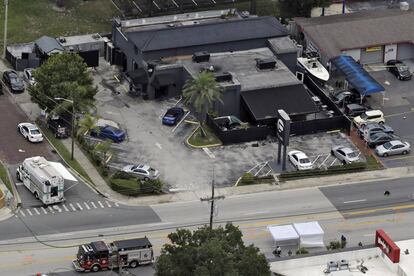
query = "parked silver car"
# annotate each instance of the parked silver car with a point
(345, 154)
(142, 171)
(393, 147)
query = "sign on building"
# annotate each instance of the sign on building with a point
(387, 246)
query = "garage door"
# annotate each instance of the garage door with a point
(372, 55)
(405, 51)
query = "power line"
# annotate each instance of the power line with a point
(211, 200)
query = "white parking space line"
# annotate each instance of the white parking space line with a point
(66, 208)
(57, 208)
(80, 207)
(182, 120)
(87, 206)
(209, 153)
(354, 201)
(44, 210)
(93, 204)
(19, 183)
(116, 204)
(71, 206)
(37, 212)
(21, 213)
(50, 209)
(107, 203)
(28, 211)
(158, 145)
(101, 204)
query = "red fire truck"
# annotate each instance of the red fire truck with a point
(100, 255)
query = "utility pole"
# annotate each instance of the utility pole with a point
(211, 200)
(6, 9)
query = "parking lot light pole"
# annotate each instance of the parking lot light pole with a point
(73, 123)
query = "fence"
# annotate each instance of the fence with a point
(320, 125)
(232, 136)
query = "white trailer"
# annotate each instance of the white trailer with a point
(42, 179)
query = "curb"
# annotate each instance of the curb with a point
(199, 147)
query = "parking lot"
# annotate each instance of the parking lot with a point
(397, 104)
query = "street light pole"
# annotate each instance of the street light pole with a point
(6, 9)
(73, 123)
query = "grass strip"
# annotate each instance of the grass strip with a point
(5, 177)
(65, 153)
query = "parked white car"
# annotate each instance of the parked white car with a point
(345, 154)
(300, 160)
(28, 76)
(374, 116)
(30, 131)
(393, 147)
(142, 171)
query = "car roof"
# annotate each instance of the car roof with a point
(344, 149)
(299, 154)
(29, 125)
(355, 106)
(373, 112)
(142, 166)
(396, 142)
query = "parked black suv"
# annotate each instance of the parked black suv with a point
(399, 69)
(13, 81)
(58, 127)
(353, 110)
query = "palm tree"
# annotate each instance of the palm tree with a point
(87, 124)
(201, 92)
(102, 149)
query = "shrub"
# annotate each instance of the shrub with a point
(122, 175)
(151, 186)
(130, 187)
(333, 245)
(247, 179)
(301, 251)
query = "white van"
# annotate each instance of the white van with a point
(374, 116)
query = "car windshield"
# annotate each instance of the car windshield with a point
(34, 131)
(352, 155)
(364, 116)
(387, 145)
(402, 67)
(304, 161)
(14, 80)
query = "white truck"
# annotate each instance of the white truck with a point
(42, 179)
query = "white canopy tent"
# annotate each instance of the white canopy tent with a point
(310, 233)
(284, 234)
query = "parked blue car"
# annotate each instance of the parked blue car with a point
(109, 132)
(173, 116)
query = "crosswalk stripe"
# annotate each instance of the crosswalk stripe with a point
(21, 212)
(50, 209)
(101, 204)
(93, 204)
(58, 208)
(87, 206)
(107, 203)
(66, 208)
(71, 206)
(116, 204)
(80, 207)
(44, 210)
(28, 211)
(37, 212)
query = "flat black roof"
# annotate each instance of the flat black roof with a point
(294, 99)
(133, 243)
(99, 246)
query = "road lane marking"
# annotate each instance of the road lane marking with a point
(50, 209)
(66, 208)
(209, 153)
(93, 204)
(354, 201)
(257, 213)
(44, 210)
(87, 206)
(116, 204)
(158, 145)
(71, 206)
(21, 212)
(101, 204)
(37, 212)
(28, 211)
(369, 211)
(80, 207)
(369, 235)
(107, 203)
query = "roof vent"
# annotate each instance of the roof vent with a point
(267, 63)
(201, 57)
(223, 77)
(62, 39)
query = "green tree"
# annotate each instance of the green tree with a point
(63, 76)
(202, 92)
(102, 149)
(300, 8)
(219, 251)
(87, 124)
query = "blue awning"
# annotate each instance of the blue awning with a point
(356, 75)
